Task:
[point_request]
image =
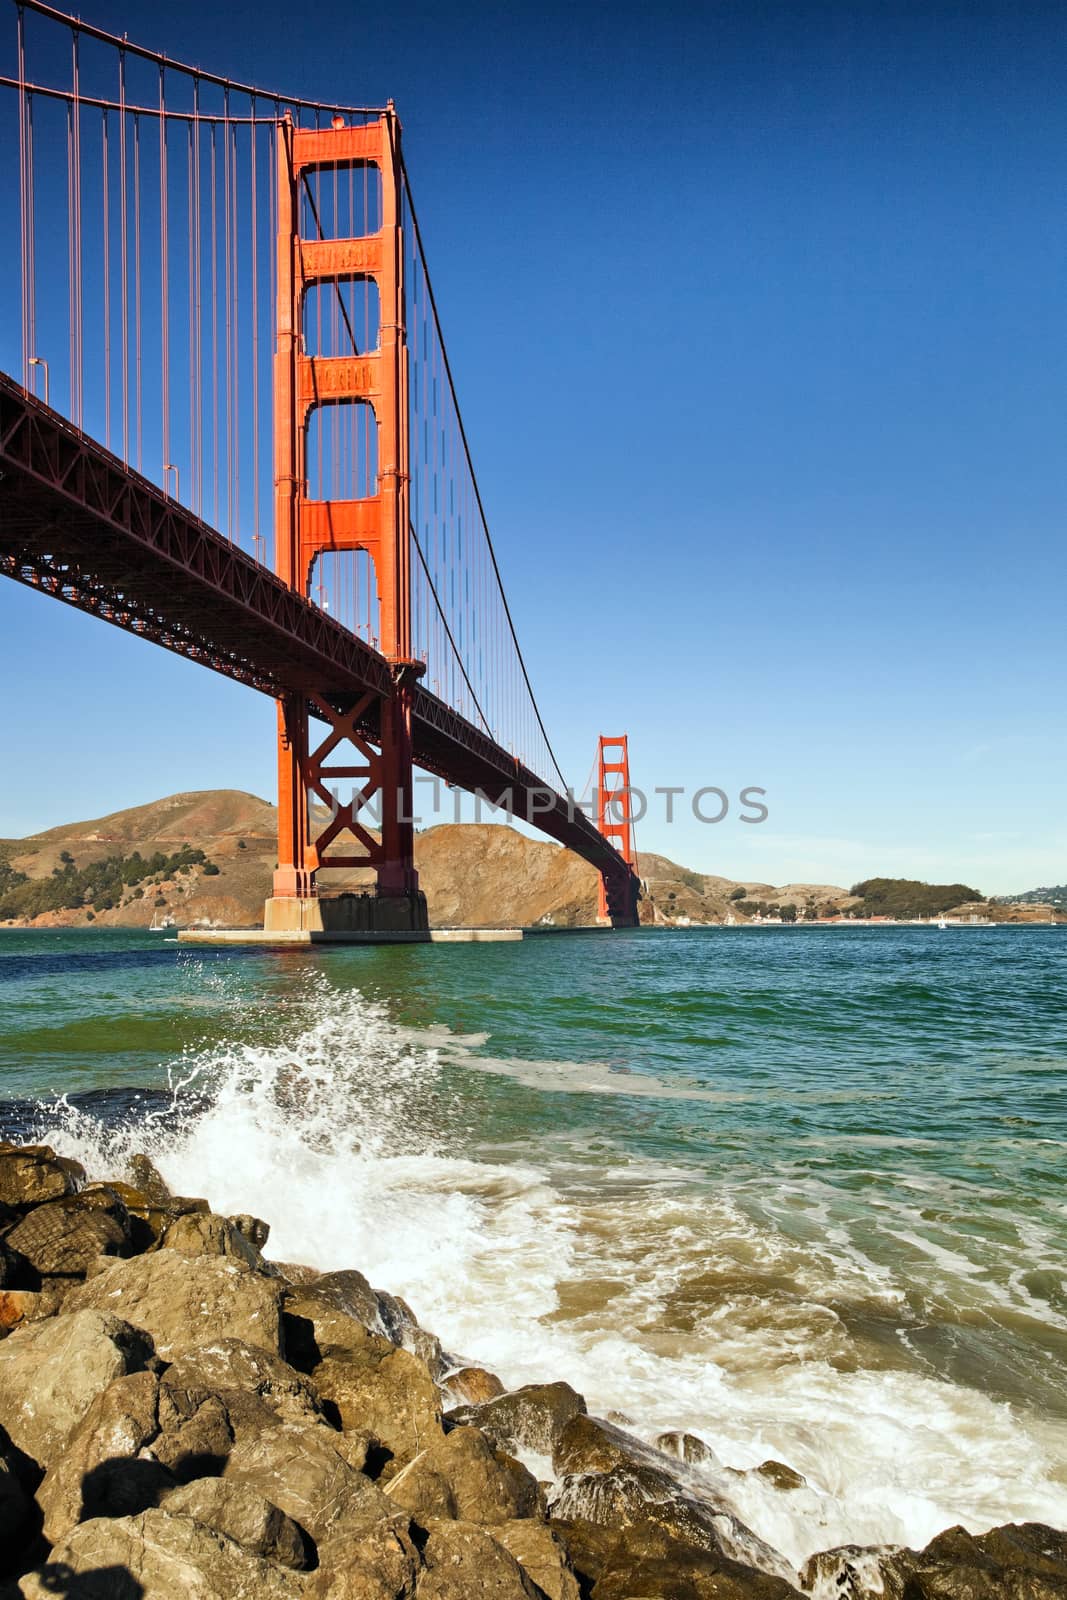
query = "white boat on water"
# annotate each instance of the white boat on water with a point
(942, 924)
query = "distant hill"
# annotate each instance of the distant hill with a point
(206, 858)
(1056, 896)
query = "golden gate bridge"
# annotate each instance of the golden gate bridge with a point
(231, 427)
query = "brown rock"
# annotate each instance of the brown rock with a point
(782, 1476)
(375, 1562)
(234, 1371)
(589, 1444)
(197, 1444)
(1020, 1561)
(146, 1177)
(204, 1234)
(464, 1563)
(254, 1229)
(541, 1555)
(338, 1312)
(471, 1386)
(51, 1372)
(534, 1416)
(300, 1470)
(96, 1474)
(242, 1514)
(461, 1476)
(18, 1305)
(637, 1493)
(391, 1396)
(183, 1302)
(642, 1560)
(687, 1447)
(155, 1556)
(62, 1238)
(31, 1175)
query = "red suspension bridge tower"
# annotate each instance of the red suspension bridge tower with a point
(378, 523)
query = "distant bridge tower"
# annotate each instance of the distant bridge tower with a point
(617, 899)
(369, 743)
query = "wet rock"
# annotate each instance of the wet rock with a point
(541, 1555)
(533, 1417)
(156, 1556)
(461, 1476)
(464, 1563)
(402, 1326)
(643, 1562)
(300, 1470)
(471, 1386)
(337, 1313)
(687, 1447)
(391, 1396)
(782, 1476)
(589, 1444)
(375, 1562)
(62, 1238)
(51, 1372)
(1020, 1561)
(636, 1493)
(144, 1175)
(204, 1234)
(97, 1473)
(242, 1514)
(31, 1175)
(182, 1302)
(254, 1229)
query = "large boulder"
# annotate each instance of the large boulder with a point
(341, 1311)
(377, 1561)
(1020, 1561)
(31, 1175)
(183, 1303)
(471, 1386)
(589, 1444)
(391, 1396)
(643, 1562)
(541, 1555)
(62, 1238)
(301, 1470)
(464, 1563)
(202, 1233)
(51, 1372)
(243, 1515)
(531, 1418)
(100, 1472)
(461, 1476)
(643, 1494)
(253, 1384)
(156, 1556)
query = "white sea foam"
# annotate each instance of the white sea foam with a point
(724, 1312)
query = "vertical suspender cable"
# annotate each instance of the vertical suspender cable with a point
(23, 196)
(257, 549)
(125, 280)
(78, 408)
(214, 333)
(137, 390)
(106, 212)
(164, 274)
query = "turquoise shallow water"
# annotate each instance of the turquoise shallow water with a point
(801, 1190)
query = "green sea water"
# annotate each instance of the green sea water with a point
(801, 1191)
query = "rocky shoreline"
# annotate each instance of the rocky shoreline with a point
(180, 1416)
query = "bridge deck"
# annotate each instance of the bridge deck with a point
(77, 524)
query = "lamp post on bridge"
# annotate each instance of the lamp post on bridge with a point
(39, 361)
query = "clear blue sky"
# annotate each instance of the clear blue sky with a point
(757, 318)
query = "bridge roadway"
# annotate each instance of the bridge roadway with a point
(77, 524)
